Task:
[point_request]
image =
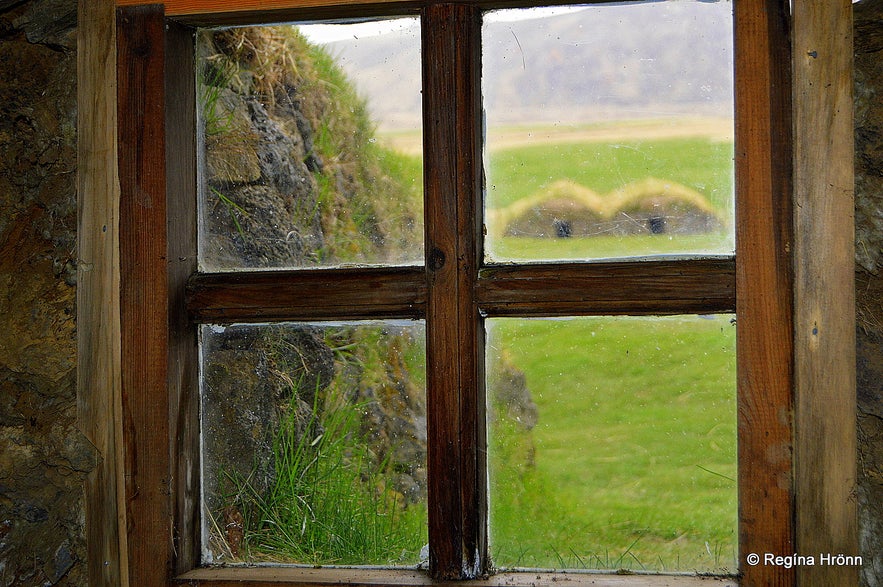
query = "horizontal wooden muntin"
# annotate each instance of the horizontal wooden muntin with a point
(251, 12)
(312, 294)
(646, 287)
(641, 287)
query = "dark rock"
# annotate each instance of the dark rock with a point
(251, 377)
(868, 21)
(50, 22)
(43, 456)
(510, 395)
(61, 564)
(868, 15)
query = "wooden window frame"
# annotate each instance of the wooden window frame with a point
(790, 286)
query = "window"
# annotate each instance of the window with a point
(452, 292)
(463, 290)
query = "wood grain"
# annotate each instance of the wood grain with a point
(98, 294)
(286, 577)
(322, 294)
(671, 286)
(824, 321)
(579, 289)
(220, 12)
(144, 315)
(181, 139)
(764, 286)
(454, 348)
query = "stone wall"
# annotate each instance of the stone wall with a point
(43, 456)
(869, 280)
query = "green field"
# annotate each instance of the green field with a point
(702, 164)
(632, 461)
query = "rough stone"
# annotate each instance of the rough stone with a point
(43, 456)
(261, 198)
(507, 387)
(50, 22)
(868, 15)
(869, 282)
(251, 377)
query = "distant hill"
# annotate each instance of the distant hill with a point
(624, 60)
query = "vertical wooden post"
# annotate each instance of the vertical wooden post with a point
(144, 305)
(824, 328)
(181, 139)
(455, 377)
(764, 288)
(98, 293)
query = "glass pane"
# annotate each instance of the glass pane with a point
(297, 167)
(314, 444)
(612, 443)
(609, 131)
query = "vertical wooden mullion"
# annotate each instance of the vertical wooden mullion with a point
(181, 137)
(144, 315)
(455, 353)
(764, 287)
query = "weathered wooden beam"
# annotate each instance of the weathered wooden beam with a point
(181, 138)
(99, 411)
(824, 260)
(578, 289)
(320, 294)
(454, 332)
(144, 303)
(671, 286)
(286, 577)
(764, 286)
(265, 11)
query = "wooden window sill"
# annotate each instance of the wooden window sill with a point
(287, 576)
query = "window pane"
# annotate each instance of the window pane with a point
(297, 167)
(612, 443)
(609, 131)
(314, 444)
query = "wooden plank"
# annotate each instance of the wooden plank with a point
(454, 354)
(824, 321)
(192, 7)
(98, 295)
(323, 294)
(639, 287)
(181, 137)
(764, 286)
(285, 577)
(552, 289)
(144, 316)
(254, 11)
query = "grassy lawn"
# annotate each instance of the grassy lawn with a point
(702, 164)
(633, 458)
(600, 247)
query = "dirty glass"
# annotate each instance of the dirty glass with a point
(612, 443)
(310, 146)
(609, 131)
(314, 444)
